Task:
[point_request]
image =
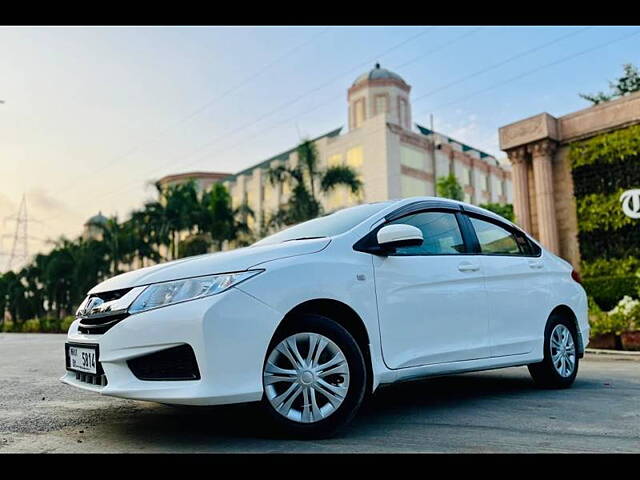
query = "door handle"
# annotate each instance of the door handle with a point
(535, 264)
(468, 267)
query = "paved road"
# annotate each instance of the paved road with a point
(498, 411)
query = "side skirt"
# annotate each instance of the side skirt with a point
(441, 369)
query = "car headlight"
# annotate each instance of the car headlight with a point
(169, 293)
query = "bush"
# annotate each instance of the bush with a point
(50, 325)
(504, 210)
(624, 317)
(7, 326)
(31, 326)
(607, 291)
(66, 323)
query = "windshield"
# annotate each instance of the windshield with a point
(327, 226)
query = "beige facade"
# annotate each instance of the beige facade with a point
(394, 157)
(538, 149)
(393, 160)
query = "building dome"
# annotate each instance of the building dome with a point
(378, 73)
(98, 219)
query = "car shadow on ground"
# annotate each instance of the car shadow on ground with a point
(160, 425)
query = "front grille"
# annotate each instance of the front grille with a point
(99, 324)
(91, 379)
(176, 363)
(101, 311)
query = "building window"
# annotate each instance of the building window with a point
(412, 158)
(334, 160)
(382, 105)
(402, 112)
(413, 187)
(360, 112)
(355, 157)
(267, 192)
(466, 176)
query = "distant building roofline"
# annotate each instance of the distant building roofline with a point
(281, 156)
(465, 147)
(187, 175)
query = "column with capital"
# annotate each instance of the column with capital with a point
(542, 155)
(518, 158)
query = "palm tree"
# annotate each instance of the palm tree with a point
(219, 219)
(305, 179)
(180, 211)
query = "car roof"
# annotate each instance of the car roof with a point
(440, 202)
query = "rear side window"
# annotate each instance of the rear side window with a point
(496, 240)
(441, 234)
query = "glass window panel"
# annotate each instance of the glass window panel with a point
(441, 234)
(494, 239)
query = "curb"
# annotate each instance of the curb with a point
(617, 353)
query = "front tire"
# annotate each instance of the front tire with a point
(560, 365)
(314, 377)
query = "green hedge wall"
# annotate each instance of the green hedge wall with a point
(602, 168)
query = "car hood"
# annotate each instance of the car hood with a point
(230, 261)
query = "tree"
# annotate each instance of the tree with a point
(305, 180)
(220, 220)
(181, 211)
(628, 83)
(504, 210)
(194, 245)
(448, 187)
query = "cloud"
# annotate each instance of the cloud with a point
(471, 131)
(39, 199)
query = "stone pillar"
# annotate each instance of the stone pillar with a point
(542, 155)
(520, 175)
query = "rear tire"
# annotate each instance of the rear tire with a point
(560, 365)
(317, 361)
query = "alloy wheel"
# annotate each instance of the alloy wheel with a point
(563, 350)
(306, 377)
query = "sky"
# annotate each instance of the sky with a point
(91, 116)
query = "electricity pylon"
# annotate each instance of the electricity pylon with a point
(20, 249)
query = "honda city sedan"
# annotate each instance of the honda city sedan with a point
(311, 320)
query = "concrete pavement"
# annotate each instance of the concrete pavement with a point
(496, 411)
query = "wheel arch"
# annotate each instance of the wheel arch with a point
(566, 312)
(342, 314)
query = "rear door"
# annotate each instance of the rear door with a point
(517, 290)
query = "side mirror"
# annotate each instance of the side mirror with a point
(394, 236)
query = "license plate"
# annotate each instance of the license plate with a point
(83, 359)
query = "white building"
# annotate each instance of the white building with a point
(394, 157)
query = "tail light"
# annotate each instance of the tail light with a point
(576, 276)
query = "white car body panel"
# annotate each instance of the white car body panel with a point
(230, 332)
(220, 262)
(430, 311)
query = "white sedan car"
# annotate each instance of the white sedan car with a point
(310, 320)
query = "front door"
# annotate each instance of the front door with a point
(432, 302)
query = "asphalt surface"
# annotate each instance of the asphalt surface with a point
(496, 411)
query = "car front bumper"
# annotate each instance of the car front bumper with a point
(229, 334)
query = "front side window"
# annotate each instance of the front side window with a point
(495, 240)
(441, 234)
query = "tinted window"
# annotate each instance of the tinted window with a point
(327, 226)
(441, 234)
(497, 240)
